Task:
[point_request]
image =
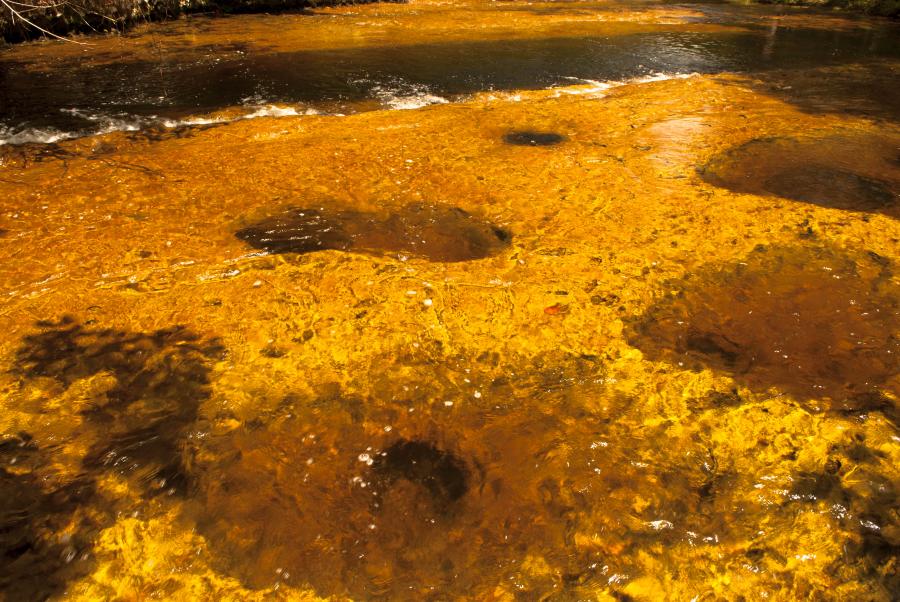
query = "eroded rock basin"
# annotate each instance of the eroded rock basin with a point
(406, 495)
(435, 233)
(811, 322)
(843, 172)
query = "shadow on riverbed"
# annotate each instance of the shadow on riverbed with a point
(146, 393)
(445, 234)
(45, 533)
(137, 397)
(814, 323)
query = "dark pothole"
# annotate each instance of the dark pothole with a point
(530, 138)
(436, 233)
(443, 474)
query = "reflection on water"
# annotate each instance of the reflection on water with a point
(429, 231)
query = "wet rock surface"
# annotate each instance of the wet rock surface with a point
(436, 233)
(852, 173)
(812, 322)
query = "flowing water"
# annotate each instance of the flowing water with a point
(611, 313)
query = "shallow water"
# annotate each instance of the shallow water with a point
(542, 338)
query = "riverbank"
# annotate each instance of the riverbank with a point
(48, 17)
(879, 8)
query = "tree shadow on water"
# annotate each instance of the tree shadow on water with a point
(44, 538)
(135, 423)
(159, 381)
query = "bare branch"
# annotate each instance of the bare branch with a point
(16, 13)
(35, 6)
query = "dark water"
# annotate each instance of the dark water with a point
(77, 97)
(524, 138)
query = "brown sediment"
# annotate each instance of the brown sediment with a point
(812, 322)
(436, 233)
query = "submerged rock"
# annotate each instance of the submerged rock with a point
(437, 233)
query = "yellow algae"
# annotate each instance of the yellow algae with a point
(353, 424)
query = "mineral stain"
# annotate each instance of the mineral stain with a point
(815, 323)
(530, 138)
(436, 233)
(849, 172)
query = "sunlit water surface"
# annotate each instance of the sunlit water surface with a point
(611, 313)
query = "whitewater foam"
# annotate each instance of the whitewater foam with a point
(396, 94)
(107, 124)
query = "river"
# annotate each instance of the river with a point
(453, 300)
